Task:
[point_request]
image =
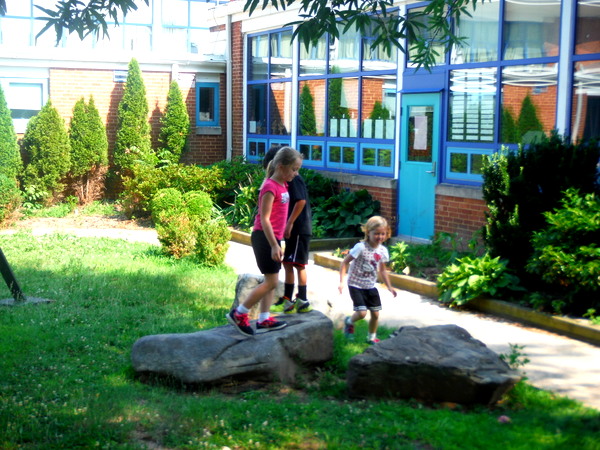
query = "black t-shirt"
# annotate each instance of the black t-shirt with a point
(298, 191)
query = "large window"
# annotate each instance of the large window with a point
(481, 31)
(207, 102)
(25, 99)
(585, 116)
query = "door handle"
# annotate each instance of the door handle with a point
(432, 171)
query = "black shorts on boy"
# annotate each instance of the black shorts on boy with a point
(296, 249)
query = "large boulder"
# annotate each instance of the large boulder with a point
(222, 354)
(435, 364)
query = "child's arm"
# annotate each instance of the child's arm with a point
(266, 206)
(386, 278)
(343, 268)
(298, 207)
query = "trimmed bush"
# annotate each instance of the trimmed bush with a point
(133, 142)
(212, 241)
(10, 155)
(198, 204)
(175, 127)
(47, 145)
(89, 152)
(10, 196)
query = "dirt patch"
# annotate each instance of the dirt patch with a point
(77, 221)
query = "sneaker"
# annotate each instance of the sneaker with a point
(348, 328)
(279, 304)
(372, 341)
(269, 325)
(240, 322)
(303, 306)
(289, 305)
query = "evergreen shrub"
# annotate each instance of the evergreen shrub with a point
(46, 143)
(175, 127)
(566, 255)
(10, 154)
(10, 196)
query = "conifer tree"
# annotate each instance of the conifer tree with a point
(175, 126)
(46, 143)
(133, 142)
(306, 113)
(89, 151)
(10, 155)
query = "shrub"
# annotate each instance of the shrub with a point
(133, 143)
(89, 152)
(10, 196)
(519, 186)
(212, 241)
(472, 277)
(236, 174)
(46, 143)
(10, 155)
(175, 127)
(242, 212)
(141, 187)
(567, 253)
(343, 214)
(306, 113)
(198, 204)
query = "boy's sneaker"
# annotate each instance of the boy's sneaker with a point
(279, 304)
(348, 328)
(303, 306)
(269, 325)
(289, 305)
(240, 322)
(372, 341)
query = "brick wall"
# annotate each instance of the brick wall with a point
(461, 216)
(67, 86)
(237, 61)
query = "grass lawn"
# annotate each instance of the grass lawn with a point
(66, 379)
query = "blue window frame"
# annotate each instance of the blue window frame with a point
(207, 104)
(256, 149)
(312, 152)
(378, 158)
(342, 155)
(465, 163)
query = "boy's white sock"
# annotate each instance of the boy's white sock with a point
(372, 336)
(263, 316)
(242, 309)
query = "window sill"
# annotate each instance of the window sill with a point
(208, 130)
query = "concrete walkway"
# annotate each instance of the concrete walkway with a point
(558, 364)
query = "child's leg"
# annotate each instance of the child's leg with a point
(373, 322)
(358, 315)
(265, 288)
(302, 279)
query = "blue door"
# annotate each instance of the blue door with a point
(419, 143)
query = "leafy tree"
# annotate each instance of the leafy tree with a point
(89, 151)
(10, 155)
(306, 113)
(46, 143)
(133, 142)
(175, 126)
(317, 17)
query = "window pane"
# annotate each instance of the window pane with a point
(369, 156)
(335, 152)
(281, 54)
(344, 52)
(528, 102)
(206, 104)
(280, 108)
(378, 107)
(585, 118)
(348, 155)
(476, 164)
(437, 46)
(420, 133)
(259, 52)
(257, 111)
(175, 13)
(312, 61)
(257, 149)
(481, 31)
(531, 29)
(311, 108)
(458, 163)
(312, 152)
(472, 105)
(27, 96)
(384, 157)
(15, 32)
(587, 28)
(343, 107)
(377, 58)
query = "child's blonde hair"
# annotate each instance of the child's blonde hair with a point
(286, 156)
(373, 223)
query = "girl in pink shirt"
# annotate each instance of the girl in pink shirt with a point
(269, 227)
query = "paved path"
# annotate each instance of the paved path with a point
(559, 364)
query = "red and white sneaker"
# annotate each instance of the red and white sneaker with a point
(269, 325)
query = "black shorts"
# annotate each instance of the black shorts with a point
(296, 250)
(262, 253)
(364, 299)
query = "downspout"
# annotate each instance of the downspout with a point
(229, 90)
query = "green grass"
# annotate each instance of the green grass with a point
(66, 379)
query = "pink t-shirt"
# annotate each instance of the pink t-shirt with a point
(279, 211)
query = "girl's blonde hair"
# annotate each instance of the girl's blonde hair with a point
(373, 223)
(285, 156)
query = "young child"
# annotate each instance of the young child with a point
(269, 228)
(366, 260)
(298, 232)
